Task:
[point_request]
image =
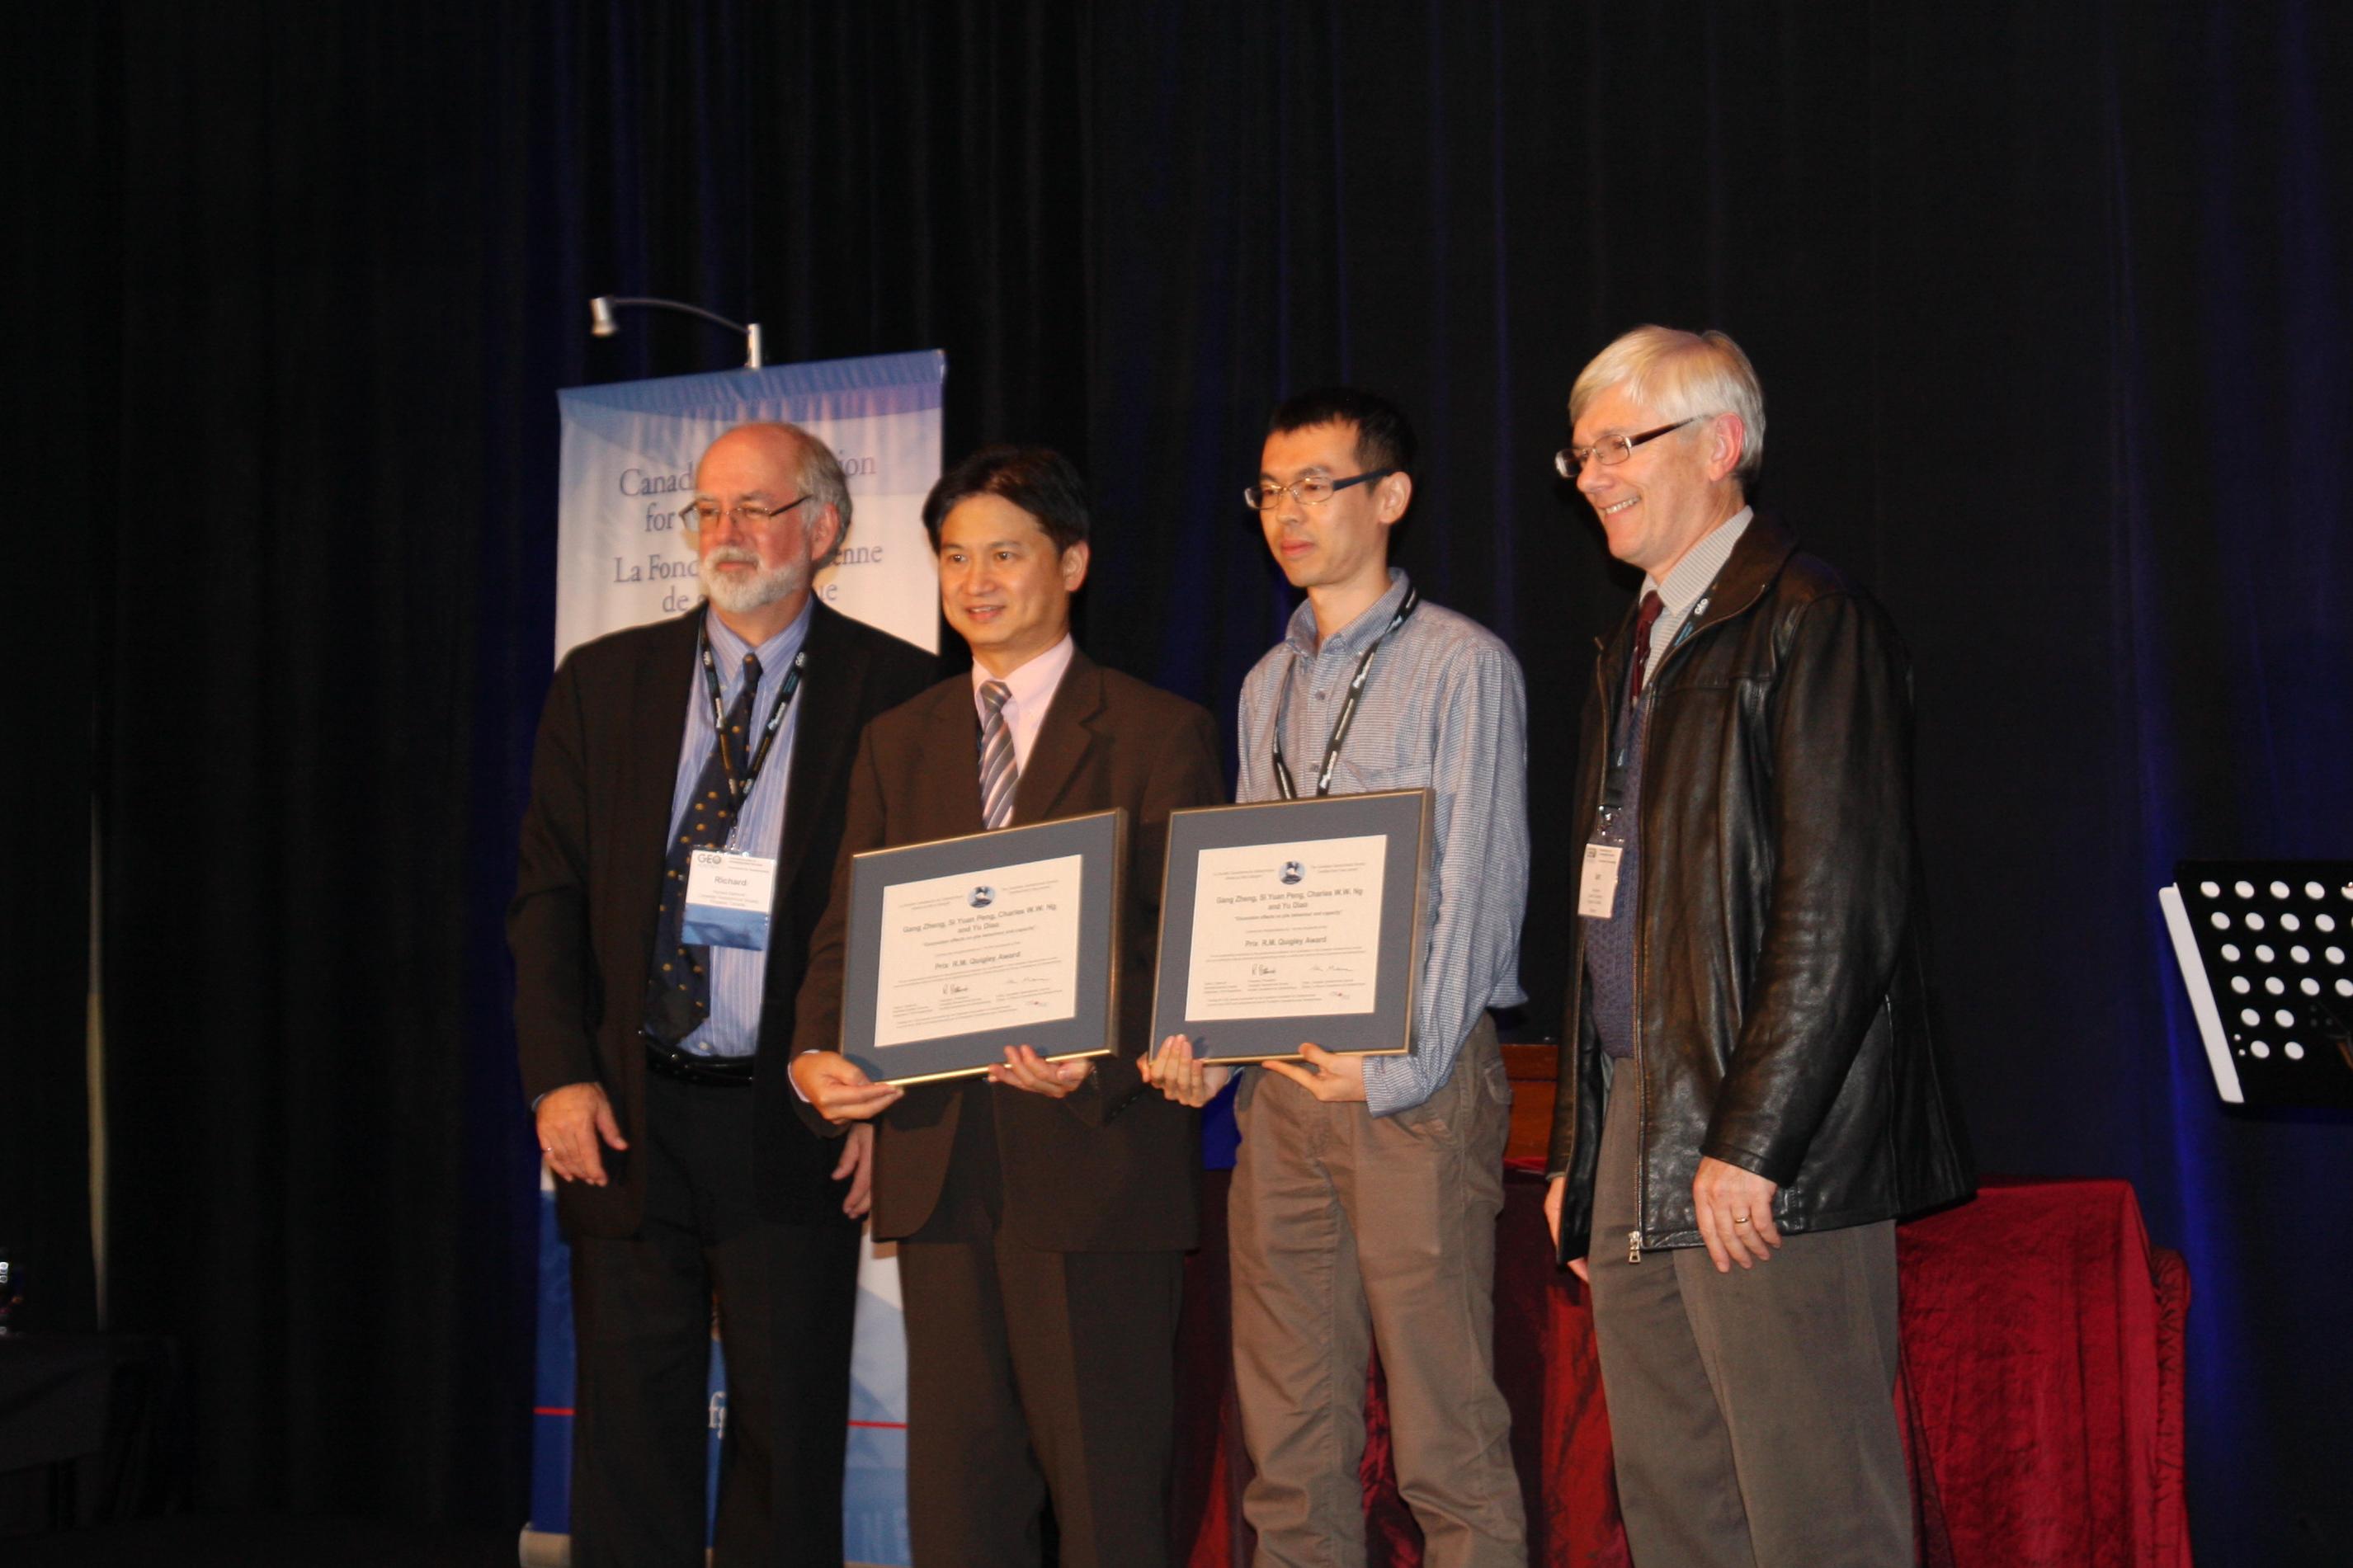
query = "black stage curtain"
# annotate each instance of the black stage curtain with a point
(2050, 304)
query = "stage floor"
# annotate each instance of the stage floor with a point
(264, 1541)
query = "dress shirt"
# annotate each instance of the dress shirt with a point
(1033, 687)
(739, 974)
(1688, 579)
(1444, 708)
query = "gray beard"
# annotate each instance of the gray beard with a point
(740, 595)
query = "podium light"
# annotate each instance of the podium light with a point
(602, 323)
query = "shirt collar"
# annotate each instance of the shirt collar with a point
(775, 655)
(1369, 623)
(1690, 576)
(1034, 682)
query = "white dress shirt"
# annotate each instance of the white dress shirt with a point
(1033, 687)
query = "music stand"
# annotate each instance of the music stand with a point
(2266, 950)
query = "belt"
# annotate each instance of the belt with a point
(712, 1072)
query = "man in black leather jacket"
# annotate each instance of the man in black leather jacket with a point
(1749, 1095)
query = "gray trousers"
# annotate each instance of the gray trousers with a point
(1348, 1230)
(1753, 1412)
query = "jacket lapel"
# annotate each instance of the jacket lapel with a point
(953, 747)
(824, 733)
(1766, 545)
(1063, 741)
(648, 769)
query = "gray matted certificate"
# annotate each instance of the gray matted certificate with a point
(960, 947)
(1294, 921)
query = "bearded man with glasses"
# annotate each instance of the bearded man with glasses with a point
(654, 1032)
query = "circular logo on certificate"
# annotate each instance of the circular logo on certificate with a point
(1292, 872)
(982, 897)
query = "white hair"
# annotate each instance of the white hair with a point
(1683, 375)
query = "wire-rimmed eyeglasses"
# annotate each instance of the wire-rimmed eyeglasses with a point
(1570, 460)
(1312, 490)
(696, 516)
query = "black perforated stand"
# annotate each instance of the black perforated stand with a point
(2266, 951)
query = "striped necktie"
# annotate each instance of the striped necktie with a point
(997, 773)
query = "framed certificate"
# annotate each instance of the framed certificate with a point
(964, 946)
(1294, 921)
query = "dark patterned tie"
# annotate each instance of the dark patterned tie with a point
(1642, 625)
(997, 773)
(678, 988)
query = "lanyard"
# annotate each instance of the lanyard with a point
(740, 788)
(1621, 741)
(1347, 707)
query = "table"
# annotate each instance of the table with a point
(2041, 1383)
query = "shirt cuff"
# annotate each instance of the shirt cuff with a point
(1390, 1086)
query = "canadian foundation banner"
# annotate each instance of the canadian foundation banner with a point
(627, 466)
(622, 559)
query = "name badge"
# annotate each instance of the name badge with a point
(727, 899)
(1597, 890)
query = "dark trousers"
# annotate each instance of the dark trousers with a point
(1033, 1372)
(1752, 1412)
(642, 1310)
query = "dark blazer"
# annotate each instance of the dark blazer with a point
(1779, 915)
(1114, 1167)
(582, 923)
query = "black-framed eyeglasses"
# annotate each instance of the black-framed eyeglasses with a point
(1570, 460)
(699, 515)
(1312, 490)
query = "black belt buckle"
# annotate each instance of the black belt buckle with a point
(708, 1071)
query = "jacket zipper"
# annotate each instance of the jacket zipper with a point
(1641, 1085)
(1691, 627)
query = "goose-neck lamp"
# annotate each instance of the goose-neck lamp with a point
(602, 324)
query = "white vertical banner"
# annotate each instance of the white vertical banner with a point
(627, 466)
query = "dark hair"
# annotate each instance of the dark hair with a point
(1038, 480)
(1384, 435)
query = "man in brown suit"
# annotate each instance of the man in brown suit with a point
(1041, 1232)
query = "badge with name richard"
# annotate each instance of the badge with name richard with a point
(727, 899)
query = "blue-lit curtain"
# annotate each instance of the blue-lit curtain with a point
(2050, 306)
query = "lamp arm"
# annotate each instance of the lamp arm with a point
(600, 311)
(711, 316)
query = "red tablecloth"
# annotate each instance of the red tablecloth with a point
(2043, 1343)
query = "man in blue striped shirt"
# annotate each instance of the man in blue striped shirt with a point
(1365, 1190)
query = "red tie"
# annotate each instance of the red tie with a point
(1642, 625)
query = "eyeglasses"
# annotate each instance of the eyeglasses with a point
(1312, 490)
(701, 514)
(1570, 460)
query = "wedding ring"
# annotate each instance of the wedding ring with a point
(1740, 1219)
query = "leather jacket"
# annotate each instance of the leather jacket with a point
(1779, 950)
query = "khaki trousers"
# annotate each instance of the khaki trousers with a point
(1752, 1412)
(1349, 1230)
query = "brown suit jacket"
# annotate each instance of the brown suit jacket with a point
(1114, 1167)
(582, 922)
